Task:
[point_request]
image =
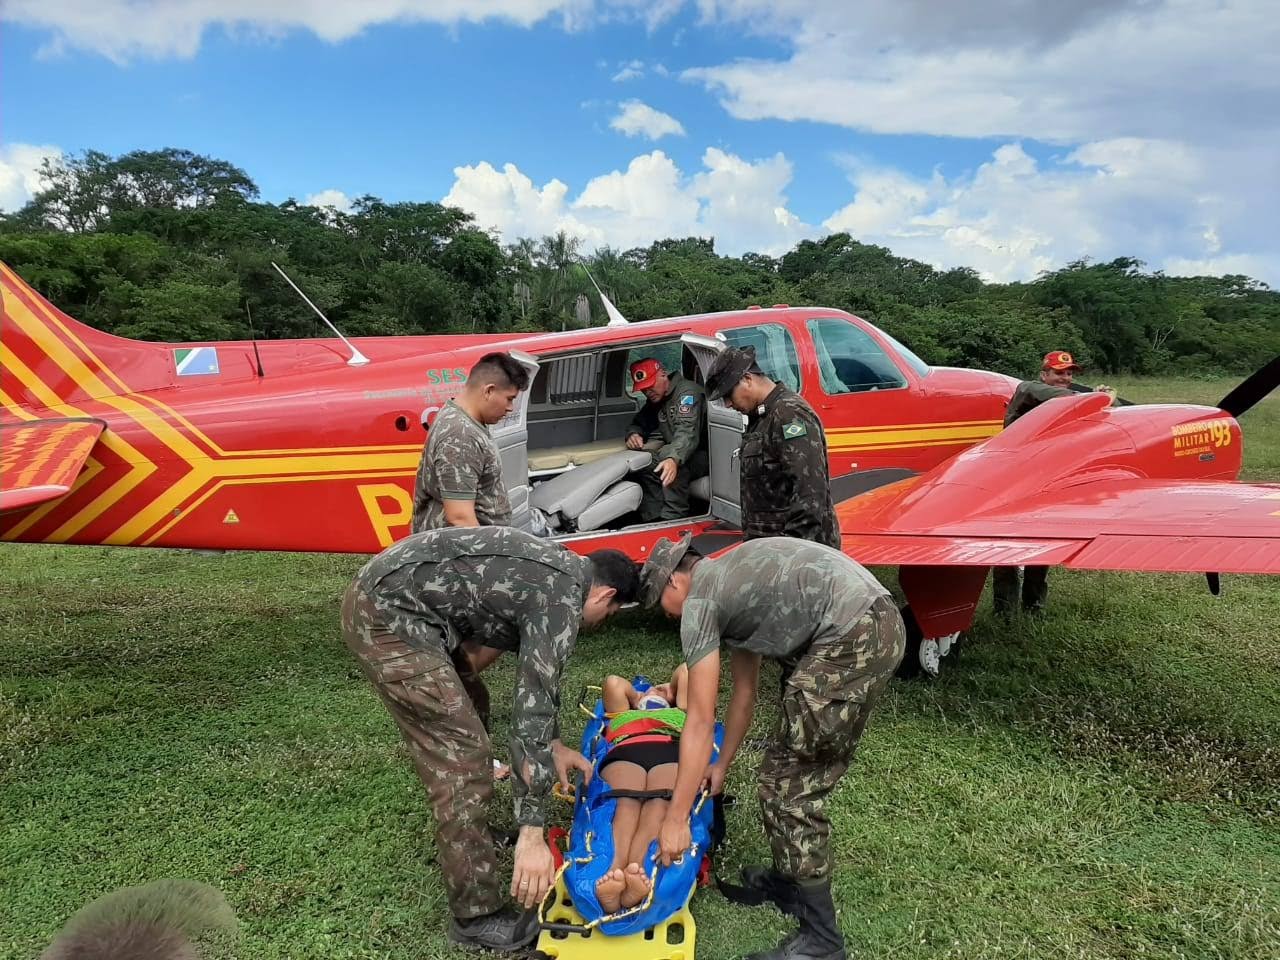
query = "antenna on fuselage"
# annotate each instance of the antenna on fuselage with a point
(357, 357)
(253, 334)
(616, 319)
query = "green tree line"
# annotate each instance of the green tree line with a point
(171, 245)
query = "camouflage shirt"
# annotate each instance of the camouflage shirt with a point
(774, 596)
(1029, 395)
(459, 462)
(501, 588)
(786, 483)
(680, 420)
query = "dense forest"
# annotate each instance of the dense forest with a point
(170, 245)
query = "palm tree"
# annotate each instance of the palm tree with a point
(559, 255)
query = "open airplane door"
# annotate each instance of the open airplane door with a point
(725, 426)
(511, 437)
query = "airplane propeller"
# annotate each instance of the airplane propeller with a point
(1256, 386)
(1253, 389)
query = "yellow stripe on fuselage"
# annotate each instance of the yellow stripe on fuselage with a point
(911, 435)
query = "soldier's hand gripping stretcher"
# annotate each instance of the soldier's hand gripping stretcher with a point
(534, 870)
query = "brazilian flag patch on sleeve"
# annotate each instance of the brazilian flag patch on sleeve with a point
(792, 430)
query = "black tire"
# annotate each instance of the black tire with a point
(910, 667)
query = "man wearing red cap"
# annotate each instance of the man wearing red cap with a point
(1056, 374)
(673, 424)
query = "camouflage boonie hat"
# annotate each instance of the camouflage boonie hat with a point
(656, 573)
(730, 366)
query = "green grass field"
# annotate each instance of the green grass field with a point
(1104, 782)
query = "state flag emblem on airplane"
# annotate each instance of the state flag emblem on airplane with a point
(194, 360)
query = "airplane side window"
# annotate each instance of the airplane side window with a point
(914, 362)
(849, 361)
(775, 350)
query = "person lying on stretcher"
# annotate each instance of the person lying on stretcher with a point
(644, 751)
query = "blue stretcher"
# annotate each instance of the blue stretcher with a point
(590, 853)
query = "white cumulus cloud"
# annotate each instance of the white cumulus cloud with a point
(1167, 113)
(1014, 217)
(127, 29)
(740, 203)
(1068, 73)
(633, 70)
(637, 119)
(20, 177)
(335, 199)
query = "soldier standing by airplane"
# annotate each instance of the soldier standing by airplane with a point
(1056, 375)
(405, 613)
(840, 634)
(459, 482)
(676, 417)
(786, 481)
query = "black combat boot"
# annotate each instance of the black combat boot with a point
(772, 886)
(503, 930)
(819, 936)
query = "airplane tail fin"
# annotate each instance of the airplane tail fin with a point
(47, 358)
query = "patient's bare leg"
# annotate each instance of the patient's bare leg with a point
(662, 777)
(617, 694)
(621, 776)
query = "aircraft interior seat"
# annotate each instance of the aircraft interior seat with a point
(588, 497)
(576, 454)
(519, 500)
(701, 488)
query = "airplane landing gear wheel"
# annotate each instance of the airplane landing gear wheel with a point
(923, 656)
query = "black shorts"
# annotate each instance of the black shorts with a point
(644, 755)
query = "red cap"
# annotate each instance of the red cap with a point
(644, 373)
(1060, 360)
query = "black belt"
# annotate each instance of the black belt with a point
(636, 795)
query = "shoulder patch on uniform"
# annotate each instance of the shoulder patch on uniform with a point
(792, 430)
(686, 403)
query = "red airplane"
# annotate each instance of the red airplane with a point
(312, 445)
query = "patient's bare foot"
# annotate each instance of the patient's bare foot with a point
(637, 885)
(609, 890)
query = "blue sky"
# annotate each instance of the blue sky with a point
(1013, 143)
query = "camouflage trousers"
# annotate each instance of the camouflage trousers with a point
(669, 503)
(420, 687)
(1004, 588)
(826, 700)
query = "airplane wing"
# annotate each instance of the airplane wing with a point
(40, 459)
(1165, 526)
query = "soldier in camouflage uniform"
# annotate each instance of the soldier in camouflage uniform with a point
(673, 424)
(407, 611)
(839, 632)
(459, 481)
(786, 480)
(1056, 375)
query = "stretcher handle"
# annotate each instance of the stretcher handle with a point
(560, 926)
(549, 897)
(582, 699)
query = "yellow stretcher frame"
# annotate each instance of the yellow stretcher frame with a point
(672, 939)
